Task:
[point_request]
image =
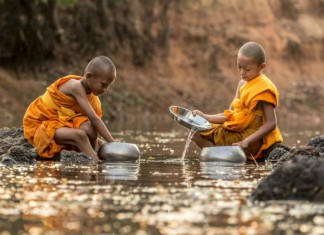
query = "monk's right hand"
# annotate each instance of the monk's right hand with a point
(197, 112)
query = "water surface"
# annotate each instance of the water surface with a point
(156, 195)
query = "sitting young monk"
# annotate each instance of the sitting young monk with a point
(250, 121)
(69, 112)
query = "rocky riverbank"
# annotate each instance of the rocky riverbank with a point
(298, 174)
(16, 150)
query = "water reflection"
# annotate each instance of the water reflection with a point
(119, 171)
(156, 195)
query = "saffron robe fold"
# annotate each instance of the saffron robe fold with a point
(245, 119)
(51, 111)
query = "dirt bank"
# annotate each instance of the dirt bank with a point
(166, 52)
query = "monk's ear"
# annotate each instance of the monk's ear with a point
(263, 66)
(88, 75)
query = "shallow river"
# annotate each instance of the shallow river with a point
(156, 195)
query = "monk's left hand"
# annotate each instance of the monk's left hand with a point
(242, 144)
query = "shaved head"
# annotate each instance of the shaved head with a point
(100, 65)
(255, 51)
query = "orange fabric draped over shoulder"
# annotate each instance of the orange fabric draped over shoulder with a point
(51, 111)
(244, 112)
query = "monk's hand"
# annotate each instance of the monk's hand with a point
(100, 142)
(197, 112)
(243, 144)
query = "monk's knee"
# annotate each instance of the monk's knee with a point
(80, 137)
(89, 130)
(201, 142)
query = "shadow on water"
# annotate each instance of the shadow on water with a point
(158, 194)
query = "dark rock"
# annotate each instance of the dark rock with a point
(15, 149)
(275, 152)
(10, 137)
(318, 143)
(11, 132)
(7, 161)
(278, 154)
(19, 155)
(75, 157)
(298, 174)
(299, 179)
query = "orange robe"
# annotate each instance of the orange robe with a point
(51, 111)
(244, 119)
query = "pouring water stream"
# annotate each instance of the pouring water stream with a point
(190, 135)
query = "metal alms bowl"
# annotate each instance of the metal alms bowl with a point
(185, 118)
(232, 154)
(116, 151)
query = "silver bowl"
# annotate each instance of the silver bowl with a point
(233, 154)
(116, 151)
(185, 118)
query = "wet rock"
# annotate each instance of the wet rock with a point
(72, 157)
(16, 150)
(298, 175)
(10, 137)
(299, 179)
(22, 155)
(318, 143)
(7, 161)
(11, 132)
(282, 154)
(275, 152)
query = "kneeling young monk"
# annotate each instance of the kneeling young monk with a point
(250, 121)
(69, 112)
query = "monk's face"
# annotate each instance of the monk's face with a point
(99, 84)
(248, 68)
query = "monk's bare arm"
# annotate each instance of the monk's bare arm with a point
(78, 92)
(270, 123)
(212, 118)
